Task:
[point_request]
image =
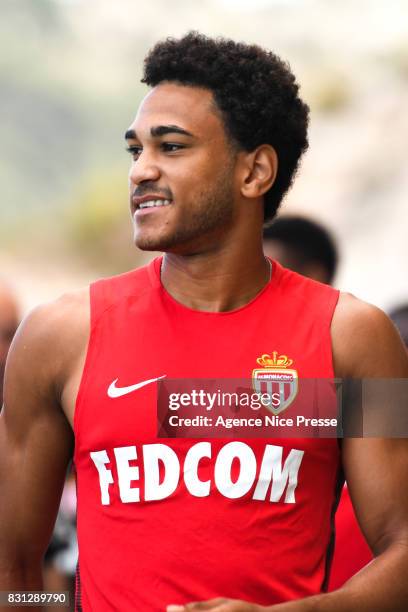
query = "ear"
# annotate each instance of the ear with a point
(259, 171)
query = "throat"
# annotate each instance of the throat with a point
(220, 290)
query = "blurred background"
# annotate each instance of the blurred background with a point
(69, 79)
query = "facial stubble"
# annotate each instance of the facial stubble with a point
(210, 214)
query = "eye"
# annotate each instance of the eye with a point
(171, 147)
(135, 151)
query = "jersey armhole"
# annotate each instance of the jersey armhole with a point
(91, 351)
(330, 307)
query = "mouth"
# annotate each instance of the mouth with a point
(153, 204)
(149, 202)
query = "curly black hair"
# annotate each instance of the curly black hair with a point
(254, 90)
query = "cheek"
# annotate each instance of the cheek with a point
(184, 183)
(195, 178)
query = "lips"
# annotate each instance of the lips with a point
(150, 201)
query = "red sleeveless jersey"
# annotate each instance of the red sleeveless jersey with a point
(164, 520)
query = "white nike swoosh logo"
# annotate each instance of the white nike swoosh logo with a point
(115, 391)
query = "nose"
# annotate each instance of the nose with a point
(144, 169)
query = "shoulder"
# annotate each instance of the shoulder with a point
(299, 287)
(365, 341)
(111, 291)
(50, 339)
(57, 320)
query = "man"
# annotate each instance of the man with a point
(166, 522)
(9, 319)
(302, 245)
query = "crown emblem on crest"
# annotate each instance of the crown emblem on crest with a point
(281, 361)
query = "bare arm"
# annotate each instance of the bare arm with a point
(365, 345)
(36, 442)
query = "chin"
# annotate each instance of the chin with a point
(152, 243)
(177, 242)
(145, 245)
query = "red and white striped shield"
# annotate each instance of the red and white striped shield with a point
(277, 387)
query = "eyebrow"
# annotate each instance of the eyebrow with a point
(160, 130)
(130, 135)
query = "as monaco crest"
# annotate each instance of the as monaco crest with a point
(276, 381)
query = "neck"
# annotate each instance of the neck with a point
(216, 281)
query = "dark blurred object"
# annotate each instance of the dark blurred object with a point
(9, 320)
(302, 245)
(400, 317)
(62, 554)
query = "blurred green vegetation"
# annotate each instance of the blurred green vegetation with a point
(98, 225)
(330, 94)
(58, 126)
(398, 59)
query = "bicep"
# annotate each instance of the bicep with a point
(35, 447)
(377, 472)
(368, 349)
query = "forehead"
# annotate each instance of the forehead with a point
(191, 108)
